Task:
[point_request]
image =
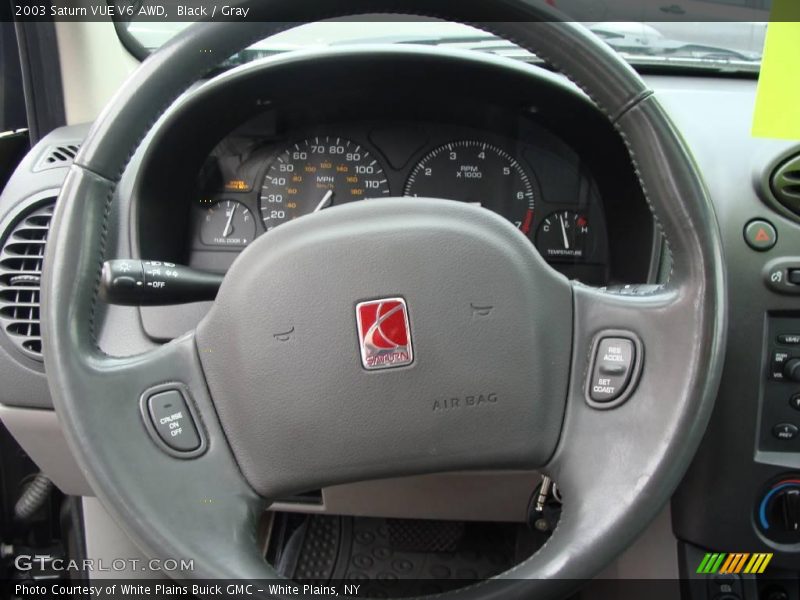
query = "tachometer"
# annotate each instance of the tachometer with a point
(316, 173)
(479, 173)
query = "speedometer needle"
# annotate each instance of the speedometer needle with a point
(325, 202)
(564, 232)
(229, 225)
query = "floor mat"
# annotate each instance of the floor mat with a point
(394, 557)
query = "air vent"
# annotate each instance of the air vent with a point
(58, 156)
(21, 258)
(785, 184)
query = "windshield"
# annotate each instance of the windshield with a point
(721, 46)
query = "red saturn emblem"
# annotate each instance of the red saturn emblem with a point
(383, 333)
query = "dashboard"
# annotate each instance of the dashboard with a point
(259, 146)
(361, 126)
(278, 145)
(248, 185)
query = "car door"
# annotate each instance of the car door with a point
(14, 142)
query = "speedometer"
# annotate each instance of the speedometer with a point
(316, 173)
(478, 173)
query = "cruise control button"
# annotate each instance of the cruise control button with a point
(785, 431)
(173, 422)
(613, 364)
(612, 369)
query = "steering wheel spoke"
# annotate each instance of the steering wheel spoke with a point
(155, 493)
(200, 486)
(615, 454)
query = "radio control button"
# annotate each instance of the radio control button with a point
(778, 362)
(785, 431)
(791, 370)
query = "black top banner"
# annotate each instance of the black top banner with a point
(214, 10)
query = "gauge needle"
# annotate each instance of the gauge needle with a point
(229, 225)
(564, 232)
(325, 202)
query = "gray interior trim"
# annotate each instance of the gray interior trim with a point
(654, 555)
(475, 496)
(39, 433)
(107, 543)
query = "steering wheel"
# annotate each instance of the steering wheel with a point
(279, 412)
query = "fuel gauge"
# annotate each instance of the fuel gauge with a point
(227, 223)
(563, 235)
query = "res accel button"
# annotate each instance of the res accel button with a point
(172, 421)
(613, 364)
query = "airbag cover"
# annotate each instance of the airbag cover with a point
(490, 324)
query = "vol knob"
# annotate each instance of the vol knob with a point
(791, 370)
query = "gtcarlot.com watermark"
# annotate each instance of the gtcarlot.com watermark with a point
(41, 562)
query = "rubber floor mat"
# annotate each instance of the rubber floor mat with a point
(394, 557)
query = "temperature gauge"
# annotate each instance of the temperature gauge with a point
(563, 235)
(227, 223)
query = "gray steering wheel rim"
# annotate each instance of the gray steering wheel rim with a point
(695, 291)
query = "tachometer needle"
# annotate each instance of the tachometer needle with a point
(229, 225)
(564, 232)
(325, 202)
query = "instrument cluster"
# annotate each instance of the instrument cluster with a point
(250, 185)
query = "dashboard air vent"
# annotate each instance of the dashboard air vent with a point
(785, 184)
(58, 156)
(21, 257)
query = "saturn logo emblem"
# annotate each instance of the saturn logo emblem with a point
(384, 334)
